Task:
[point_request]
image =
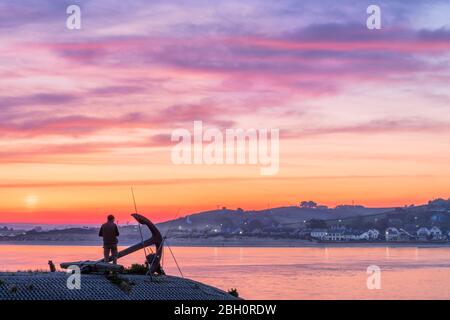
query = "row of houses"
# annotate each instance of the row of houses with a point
(391, 234)
(342, 234)
(422, 234)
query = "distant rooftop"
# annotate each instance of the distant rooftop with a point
(52, 286)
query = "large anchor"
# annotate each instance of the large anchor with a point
(153, 259)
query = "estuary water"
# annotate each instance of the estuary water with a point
(280, 273)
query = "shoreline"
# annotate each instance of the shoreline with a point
(266, 243)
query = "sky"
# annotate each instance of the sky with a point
(86, 114)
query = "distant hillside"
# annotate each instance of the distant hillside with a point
(293, 216)
(227, 225)
(435, 213)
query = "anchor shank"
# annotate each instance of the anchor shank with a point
(132, 249)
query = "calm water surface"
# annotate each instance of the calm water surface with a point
(280, 273)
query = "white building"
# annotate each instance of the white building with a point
(392, 234)
(374, 234)
(371, 234)
(334, 236)
(436, 233)
(423, 233)
(339, 235)
(364, 236)
(319, 233)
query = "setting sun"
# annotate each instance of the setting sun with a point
(31, 201)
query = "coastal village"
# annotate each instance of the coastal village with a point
(307, 223)
(342, 234)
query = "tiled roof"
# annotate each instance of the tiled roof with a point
(53, 286)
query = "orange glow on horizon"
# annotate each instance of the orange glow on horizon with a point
(162, 202)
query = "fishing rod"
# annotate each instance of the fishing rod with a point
(164, 241)
(150, 265)
(140, 231)
(168, 230)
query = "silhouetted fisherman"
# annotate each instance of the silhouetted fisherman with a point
(109, 232)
